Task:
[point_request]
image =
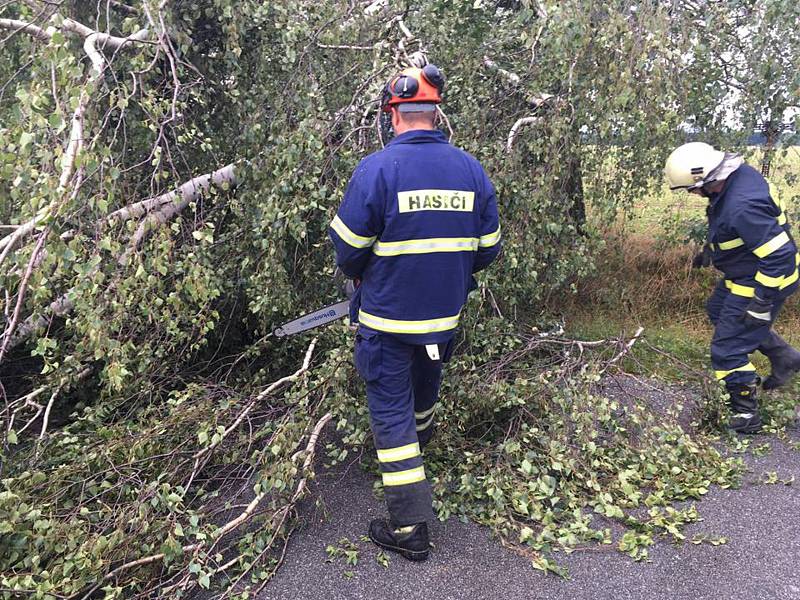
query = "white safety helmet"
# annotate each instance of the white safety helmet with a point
(693, 165)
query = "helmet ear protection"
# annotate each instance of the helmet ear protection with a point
(433, 75)
(414, 85)
(404, 86)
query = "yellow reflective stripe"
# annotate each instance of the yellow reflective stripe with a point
(740, 290)
(731, 244)
(781, 219)
(724, 374)
(427, 413)
(490, 239)
(790, 279)
(399, 453)
(426, 424)
(769, 281)
(404, 477)
(772, 245)
(355, 240)
(395, 326)
(425, 245)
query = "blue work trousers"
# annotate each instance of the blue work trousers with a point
(734, 339)
(402, 390)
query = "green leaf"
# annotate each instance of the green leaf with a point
(24, 140)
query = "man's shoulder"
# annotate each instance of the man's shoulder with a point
(748, 191)
(464, 157)
(368, 166)
(750, 174)
(749, 184)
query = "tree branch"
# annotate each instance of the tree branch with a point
(23, 286)
(272, 387)
(181, 197)
(512, 78)
(174, 202)
(103, 39)
(515, 129)
(244, 515)
(25, 27)
(75, 143)
(537, 102)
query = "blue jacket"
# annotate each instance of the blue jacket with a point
(417, 220)
(749, 236)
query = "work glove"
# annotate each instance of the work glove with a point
(758, 312)
(702, 258)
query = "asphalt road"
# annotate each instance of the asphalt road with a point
(760, 560)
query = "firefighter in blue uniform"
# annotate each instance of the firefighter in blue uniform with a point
(418, 219)
(750, 242)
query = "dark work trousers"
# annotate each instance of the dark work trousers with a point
(734, 339)
(402, 390)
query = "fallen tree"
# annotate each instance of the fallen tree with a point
(167, 175)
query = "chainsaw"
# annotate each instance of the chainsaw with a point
(320, 316)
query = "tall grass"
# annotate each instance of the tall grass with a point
(644, 273)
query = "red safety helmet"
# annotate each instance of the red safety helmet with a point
(414, 90)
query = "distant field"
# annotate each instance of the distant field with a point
(657, 212)
(644, 274)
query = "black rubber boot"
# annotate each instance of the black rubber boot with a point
(744, 408)
(413, 545)
(784, 360)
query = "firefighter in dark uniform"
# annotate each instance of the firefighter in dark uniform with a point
(418, 219)
(750, 242)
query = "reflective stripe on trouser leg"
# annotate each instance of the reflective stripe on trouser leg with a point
(426, 376)
(391, 407)
(404, 483)
(734, 339)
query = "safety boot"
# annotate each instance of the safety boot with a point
(784, 360)
(410, 542)
(744, 408)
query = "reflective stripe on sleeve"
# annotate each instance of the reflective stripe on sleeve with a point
(400, 453)
(425, 246)
(740, 290)
(731, 244)
(404, 477)
(490, 239)
(772, 245)
(395, 326)
(768, 281)
(723, 374)
(353, 239)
